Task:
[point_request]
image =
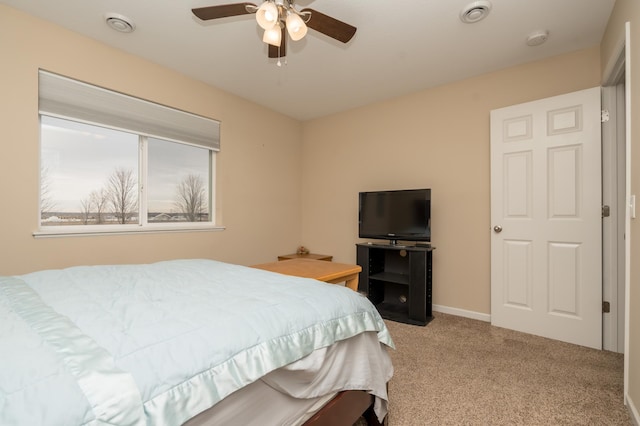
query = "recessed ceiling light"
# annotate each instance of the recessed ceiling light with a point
(476, 11)
(536, 38)
(119, 22)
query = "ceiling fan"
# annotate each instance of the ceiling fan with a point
(280, 18)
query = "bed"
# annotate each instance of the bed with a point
(188, 342)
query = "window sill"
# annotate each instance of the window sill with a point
(87, 231)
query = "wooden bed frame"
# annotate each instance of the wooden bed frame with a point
(345, 410)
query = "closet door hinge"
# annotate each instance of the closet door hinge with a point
(606, 307)
(604, 116)
(606, 211)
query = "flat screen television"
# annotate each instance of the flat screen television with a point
(399, 215)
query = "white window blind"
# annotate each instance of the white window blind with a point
(64, 97)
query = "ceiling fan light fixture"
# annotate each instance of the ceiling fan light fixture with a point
(274, 16)
(267, 15)
(273, 36)
(296, 27)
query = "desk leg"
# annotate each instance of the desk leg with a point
(352, 283)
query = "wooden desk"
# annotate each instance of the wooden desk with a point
(329, 272)
(306, 256)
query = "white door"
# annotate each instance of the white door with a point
(546, 242)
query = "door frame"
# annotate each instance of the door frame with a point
(613, 196)
(617, 72)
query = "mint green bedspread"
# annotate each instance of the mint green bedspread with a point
(157, 344)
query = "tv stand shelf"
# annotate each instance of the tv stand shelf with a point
(397, 280)
(391, 277)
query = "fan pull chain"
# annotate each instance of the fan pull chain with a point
(279, 63)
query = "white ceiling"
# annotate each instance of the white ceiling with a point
(400, 46)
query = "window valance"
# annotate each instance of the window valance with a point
(68, 98)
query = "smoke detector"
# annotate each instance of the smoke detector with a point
(119, 23)
(536, 38)
(476, 11)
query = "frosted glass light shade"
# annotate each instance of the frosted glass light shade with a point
(273, 36)
(296, 27)
(267, 15)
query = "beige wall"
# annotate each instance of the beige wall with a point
(437, 138)
(258, 168)
(629, 11)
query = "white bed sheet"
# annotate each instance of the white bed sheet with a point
(293, 394)
(251, 405)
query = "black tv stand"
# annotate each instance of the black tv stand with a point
(397, 280)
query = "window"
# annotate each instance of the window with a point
(113, 163)
(178, 177)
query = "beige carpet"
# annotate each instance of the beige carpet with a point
(458, 371)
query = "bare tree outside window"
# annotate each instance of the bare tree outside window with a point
(122, 194)
(99, 200)
(85, 209)
(191, 197)
(47, 204)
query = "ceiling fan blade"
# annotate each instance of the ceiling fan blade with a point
(332, 27)
(279, 52)
(222, 11)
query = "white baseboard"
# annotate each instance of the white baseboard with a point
(633, 411)
(462, 313)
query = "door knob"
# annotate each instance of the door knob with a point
(497, 229)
